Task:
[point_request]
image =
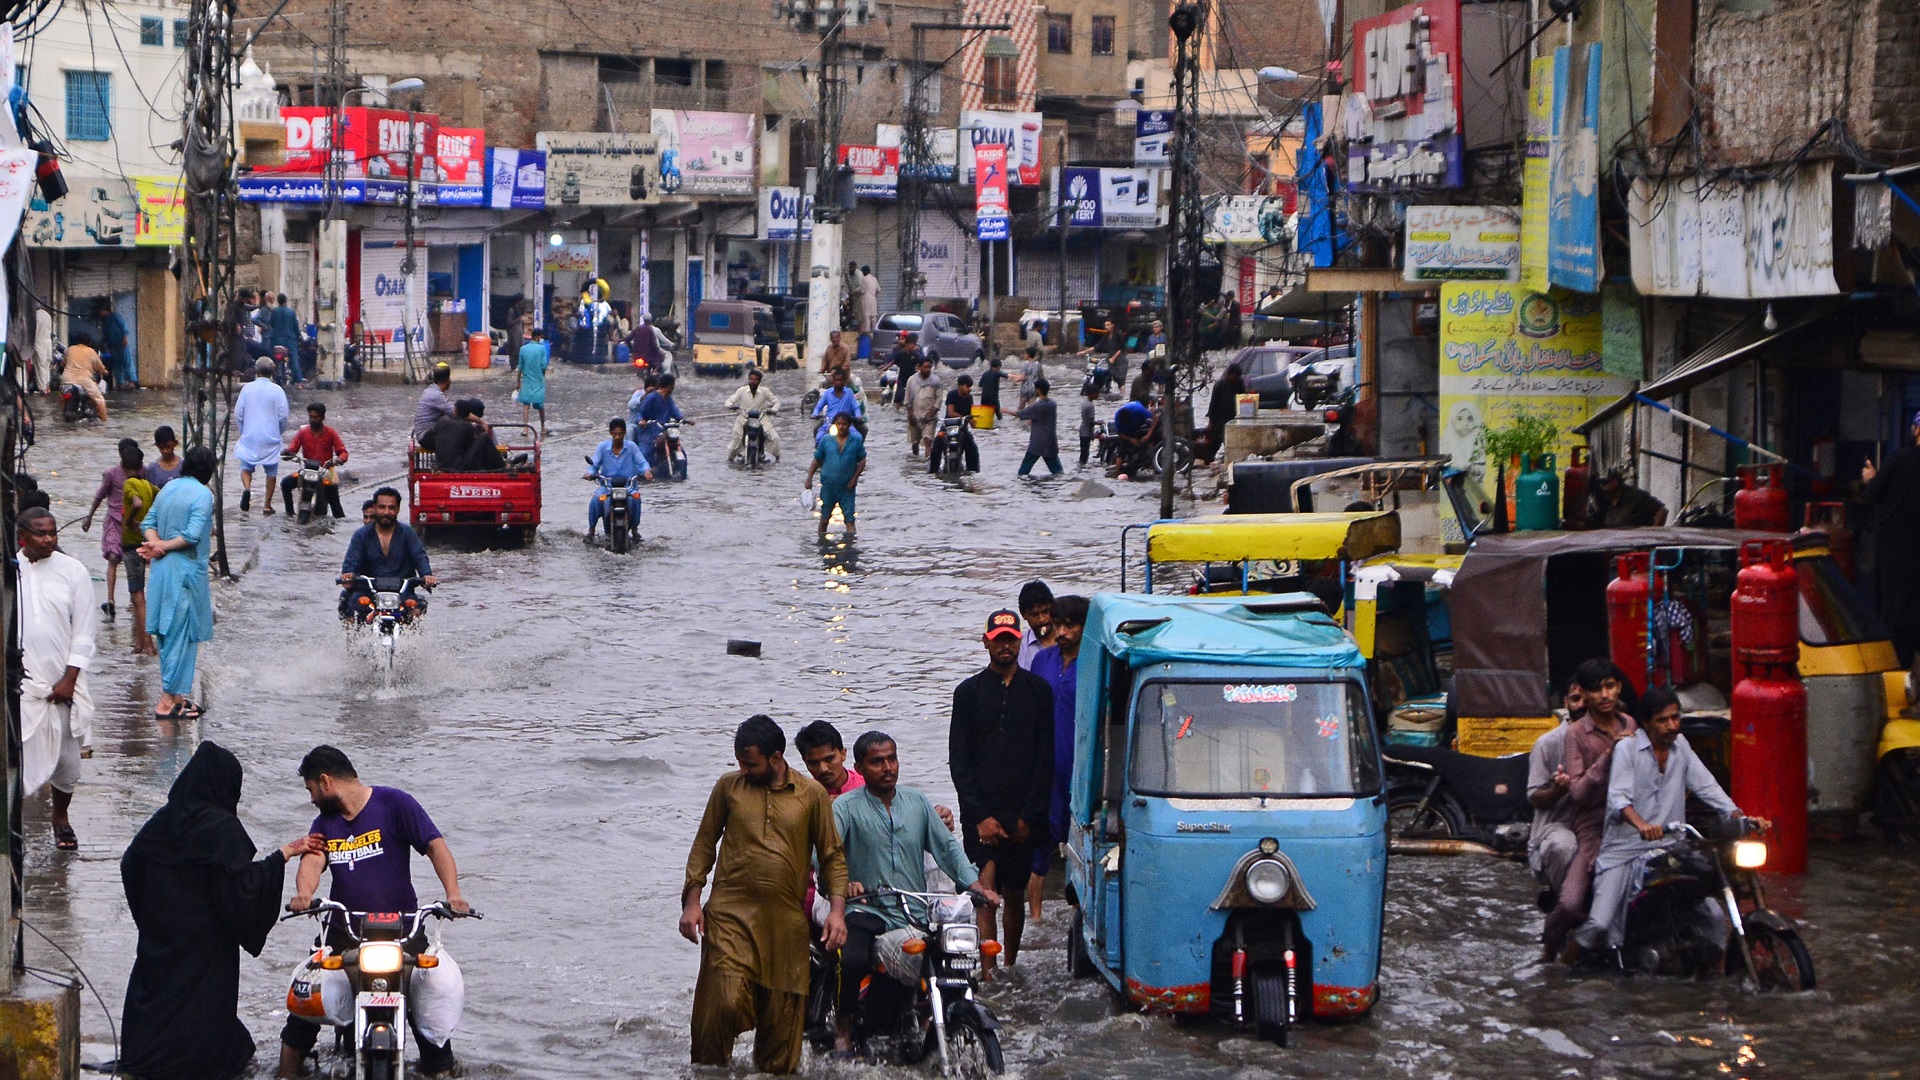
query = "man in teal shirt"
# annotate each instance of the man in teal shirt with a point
(530, 373)
(840, 456)
(887, 832)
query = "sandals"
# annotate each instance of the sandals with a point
(182, 710)
(64, 838)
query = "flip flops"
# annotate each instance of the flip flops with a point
(64, 838)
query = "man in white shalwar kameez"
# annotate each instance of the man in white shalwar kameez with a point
(260, 416)
(56, 637)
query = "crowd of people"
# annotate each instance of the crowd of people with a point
(784, 855)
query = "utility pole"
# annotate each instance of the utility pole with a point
(1188, 225)
(1060, 197)
(829, 19)
(330, 285)
(408, 264)
(206, 280)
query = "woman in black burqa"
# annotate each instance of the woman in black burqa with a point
(197, 895)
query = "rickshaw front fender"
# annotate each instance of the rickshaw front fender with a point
(1900, 734)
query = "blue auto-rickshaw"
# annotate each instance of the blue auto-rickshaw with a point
(1228, 850)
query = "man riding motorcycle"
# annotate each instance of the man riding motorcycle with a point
(754, 398)
(888, 831)
(384, 549)
(837, 398)
(368, 832)
(959, 407)
(1135, 425)
(619, 461)
(318, 441)
(649, 410)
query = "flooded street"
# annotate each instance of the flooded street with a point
(564, 712)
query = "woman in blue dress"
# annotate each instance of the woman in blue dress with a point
(179, 531)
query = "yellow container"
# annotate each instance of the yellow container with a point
(1495, 737)
(983, 417)
(1248, 405)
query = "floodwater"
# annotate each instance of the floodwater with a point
(564, 711)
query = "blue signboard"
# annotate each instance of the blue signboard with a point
(1080, 196)
(1573, 216)
(993, 227)
(1152, 134)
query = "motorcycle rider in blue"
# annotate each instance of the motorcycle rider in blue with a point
(617, 460)
(385, 548)
(649, 409)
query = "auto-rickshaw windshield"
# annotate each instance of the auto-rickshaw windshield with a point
(1221, 739)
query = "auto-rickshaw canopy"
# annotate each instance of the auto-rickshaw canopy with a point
(1499, 604)
(1278, 630)
(1274, 537)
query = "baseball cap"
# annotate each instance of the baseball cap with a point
(1004, 621)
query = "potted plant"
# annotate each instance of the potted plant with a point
(1528, 437)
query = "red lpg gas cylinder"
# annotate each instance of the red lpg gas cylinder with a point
(1573, 492)
(1769, 761)
(1761, 503)
(1831, 518)
(1627, 618)
(1766, 604)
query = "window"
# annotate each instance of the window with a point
(1001, 79)
(89, 97)
(673, 72)
(152, 31)
(1060, 33)
(1286, 739)
(180, 33)
(1103, 35)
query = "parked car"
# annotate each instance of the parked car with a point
(1271, 369)
(943, 338)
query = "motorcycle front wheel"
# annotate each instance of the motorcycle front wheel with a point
(1441, 818)
(972, 1050)
(1182, 456)
(617, 534)
(1780, 958)
(1270, 1005)
(377, 1067)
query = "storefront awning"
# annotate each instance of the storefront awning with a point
(1739, 343)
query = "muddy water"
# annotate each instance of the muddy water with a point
(564, 711)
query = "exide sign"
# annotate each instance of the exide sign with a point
(876, 170)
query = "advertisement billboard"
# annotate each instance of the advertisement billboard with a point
(459, 162)
(98, 211)
(1152, 136)
(597, 168)
(1407, 99)
(1246, 220)
(1463, 243)
(517, 179)
(1018, 132)
(163, 211)
(876, 170)
(785, 214)
(1110, 198)
(943, 152)
(705, 153)
(990, 192)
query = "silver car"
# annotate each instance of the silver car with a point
(944, 339)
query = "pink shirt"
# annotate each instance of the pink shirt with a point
(853, 781)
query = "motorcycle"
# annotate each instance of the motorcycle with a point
(385, 951)
(1442, 801)
(1099, 376)
(1152, 458)
(951, 438)
(623, 509)
(75, 403)
(1688, 917)
(310, 489)
(812, 396)
(672, 459)
(388, 605)
(282, 366)
(940, 1012)
(753, 451)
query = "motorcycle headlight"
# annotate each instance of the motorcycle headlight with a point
(379, 958)
(1267, 880)
(960, 939)
(1750, 854)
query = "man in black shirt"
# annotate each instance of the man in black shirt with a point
(1000, 750)
(463, 442)
(960, 407)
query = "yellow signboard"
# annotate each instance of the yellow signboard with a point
(1505, 350)
(1536, 177)
(162, 202)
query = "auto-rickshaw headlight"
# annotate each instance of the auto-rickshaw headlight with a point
(1267, 880)
(1750, 854)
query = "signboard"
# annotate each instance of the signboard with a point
(876, 170)
(943, 152)
(705, 153)
(1506, 350)
(1152, 136)
(517, 180)
(1536, 177)
(990, 192)
(1018, 132)
(162, 211)
(1463, 243)
(460, 161)
(98, 211)
(785, 214)
(1573, 215)
(1622, 350)
(1246, 219)
(1109, 198)
(1771, 239)
(372, 143)
(383, 289)
(1407, 99)
(596, 168)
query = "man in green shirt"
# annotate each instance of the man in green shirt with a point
(888, 831)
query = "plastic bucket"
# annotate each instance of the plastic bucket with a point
(479, 350)
(983, 417)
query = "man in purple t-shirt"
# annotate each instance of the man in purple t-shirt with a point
(369, 832)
